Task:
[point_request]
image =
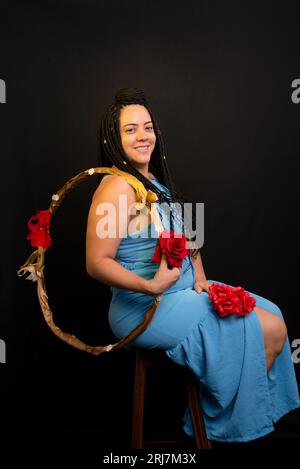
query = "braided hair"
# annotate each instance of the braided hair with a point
(111, 152)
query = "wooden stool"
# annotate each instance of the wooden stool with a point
(146, 358)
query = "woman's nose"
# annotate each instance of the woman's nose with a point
(141, 134)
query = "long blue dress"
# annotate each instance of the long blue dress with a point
(240, 401)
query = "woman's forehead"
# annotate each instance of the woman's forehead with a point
(134, 113)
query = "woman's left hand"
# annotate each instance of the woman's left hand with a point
(202, 285)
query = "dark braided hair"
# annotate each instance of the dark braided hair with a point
(111, 152)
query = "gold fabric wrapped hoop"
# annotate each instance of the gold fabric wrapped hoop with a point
(36, 261)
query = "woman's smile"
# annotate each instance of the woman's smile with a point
(142, 148)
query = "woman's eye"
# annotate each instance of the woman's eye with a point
(129, 130)
(149, 128)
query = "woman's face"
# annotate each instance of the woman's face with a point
(137, 135)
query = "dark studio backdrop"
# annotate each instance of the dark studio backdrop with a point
(218, 76)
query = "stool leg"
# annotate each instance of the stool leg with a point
(196, 413)
(137, 437)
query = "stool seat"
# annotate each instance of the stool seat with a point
(155, 358)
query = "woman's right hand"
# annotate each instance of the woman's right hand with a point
(164, 277)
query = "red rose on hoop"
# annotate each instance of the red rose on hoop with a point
(228, 300)
(174, 248)
(39, 229)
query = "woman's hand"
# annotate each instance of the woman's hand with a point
(164, 277)
(202, 285)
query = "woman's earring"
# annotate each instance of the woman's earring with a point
(124, 162)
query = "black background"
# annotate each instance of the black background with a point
(218, 76)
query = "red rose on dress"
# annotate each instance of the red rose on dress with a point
(228, 300)
(174, 248)
(224, 301)
(247, 301)
(39, 227)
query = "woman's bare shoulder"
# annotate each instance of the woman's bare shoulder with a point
(113, 185)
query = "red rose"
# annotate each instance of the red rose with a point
(228, 300)
(174, 248)
(247, 301)
(39, 226)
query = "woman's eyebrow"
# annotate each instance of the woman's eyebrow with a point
(148, 122)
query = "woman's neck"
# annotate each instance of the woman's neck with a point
(147, 174)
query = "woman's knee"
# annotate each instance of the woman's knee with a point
(275, 310)
(274, 330)
(279, 333)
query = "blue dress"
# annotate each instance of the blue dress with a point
(240, 401)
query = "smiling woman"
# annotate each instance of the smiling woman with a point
(242, 362)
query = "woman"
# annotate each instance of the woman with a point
(243, 365)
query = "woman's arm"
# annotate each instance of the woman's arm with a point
(199, 269)
(110, 272)
(200, 282)
(101, 252)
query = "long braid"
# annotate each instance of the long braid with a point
(110, 151)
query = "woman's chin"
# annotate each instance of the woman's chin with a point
(141, 161)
